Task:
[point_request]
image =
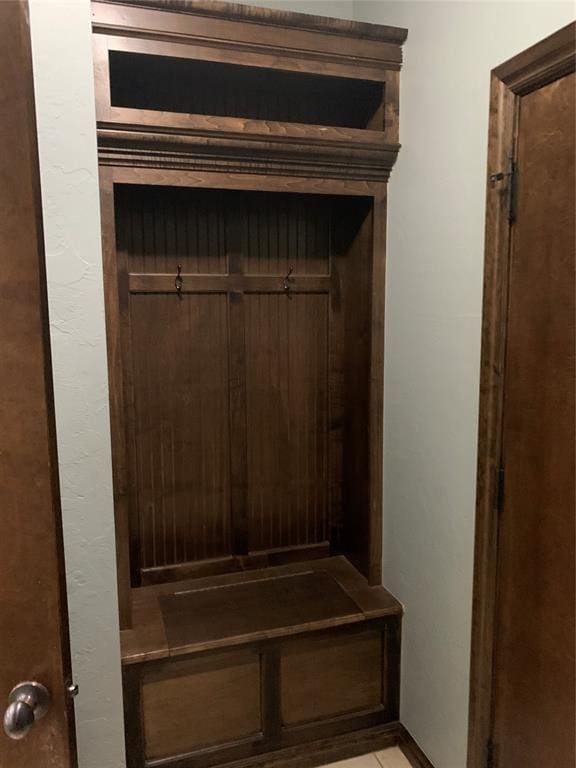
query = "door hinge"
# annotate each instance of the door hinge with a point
(500, 490)
(490, 754)
(512, 177)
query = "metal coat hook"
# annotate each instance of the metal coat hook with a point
(287, 280)
(178, 280)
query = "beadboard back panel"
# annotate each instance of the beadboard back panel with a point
(181, 429)
(234, 339)
(287, 419)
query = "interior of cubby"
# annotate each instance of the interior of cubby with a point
(247, 390)
(186, 85)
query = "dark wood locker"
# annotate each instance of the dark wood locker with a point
(244, 158)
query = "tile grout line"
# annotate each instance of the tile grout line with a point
(379, 761)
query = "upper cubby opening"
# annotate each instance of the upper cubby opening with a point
(170, 84)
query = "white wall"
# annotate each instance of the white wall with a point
(434, 284)
(61, 44)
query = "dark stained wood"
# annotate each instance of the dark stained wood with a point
(238, 42)
(260, 559)
(376, 391)
(180, 354)
(247, 151)
(133, 720)
(286, 362)
(500, 147)
(247, 126)
(234, 283)
(199, 142)
(541, 64)
(203, 616)
(509, 304)
(310, 640)
(355, 649)
(310, 689)
(391, 107)
(275, 18)
(227, 178)
(392, 642)
(534, 653)
(164, 623)
(140, 81)
(159, 228)
(270, 133)
(33, 614)
(117, 352)
(238, 423)
(325, 750)
(200, 702)
(271, 693)
(359, 254)
(265, 452)
(275, 56)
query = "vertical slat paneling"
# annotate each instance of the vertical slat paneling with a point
(283, 231)
(286, 388)
(232, 394)
(180, 380)
(161, 227)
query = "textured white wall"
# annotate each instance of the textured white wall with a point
(63, 78)
(434, 285)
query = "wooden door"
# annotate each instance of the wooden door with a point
(534, 652)
(33, 618)
(531, 715)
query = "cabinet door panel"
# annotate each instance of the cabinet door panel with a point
(202, 702)
(329, 676)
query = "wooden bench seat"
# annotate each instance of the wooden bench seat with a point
(223, 668)
(248, 606)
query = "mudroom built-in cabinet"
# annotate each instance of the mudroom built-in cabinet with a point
(244, 158)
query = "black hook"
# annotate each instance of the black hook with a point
(287, 280)
(178, 280)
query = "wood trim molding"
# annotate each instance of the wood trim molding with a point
(287, 19)
(544, 62)
(255, 37)
(227, 283)
(551, 59)
(326, 750)
(246, 181)
(199, 36)
(411, 750)
(120, 462)
(323, 154)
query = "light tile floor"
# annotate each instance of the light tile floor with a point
(388, 758)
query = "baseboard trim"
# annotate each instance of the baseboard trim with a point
(325, 751)
(411, 750)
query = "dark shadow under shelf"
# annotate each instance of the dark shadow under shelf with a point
(170, 84)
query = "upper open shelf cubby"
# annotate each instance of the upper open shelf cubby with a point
(195, 85)
(170, 84)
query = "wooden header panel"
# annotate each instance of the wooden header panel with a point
(219, 86)
(273, 17)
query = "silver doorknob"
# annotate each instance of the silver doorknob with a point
(27, 703)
